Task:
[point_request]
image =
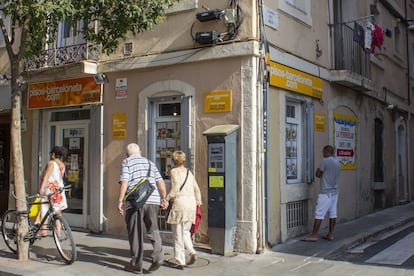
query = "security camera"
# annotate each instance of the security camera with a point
(99, 78)
(390, 106)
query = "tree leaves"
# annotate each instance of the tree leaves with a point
(109, 20)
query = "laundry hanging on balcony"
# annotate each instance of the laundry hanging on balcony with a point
(369, 29)
(377, 38)
(369, 38)
(359, 34)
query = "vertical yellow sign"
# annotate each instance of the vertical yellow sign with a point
(119, 126)
(319, 122)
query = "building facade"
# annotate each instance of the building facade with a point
(291, 76)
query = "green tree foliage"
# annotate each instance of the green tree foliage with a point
(34, 24)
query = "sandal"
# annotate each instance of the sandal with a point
(193, 258)
(328, 238)
(43, 232)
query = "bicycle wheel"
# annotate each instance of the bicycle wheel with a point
(63, 239)
(9, 229)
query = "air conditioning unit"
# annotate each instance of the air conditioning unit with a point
(128, 49)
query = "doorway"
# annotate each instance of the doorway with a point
(74, 138)
(168, 132)
(65, 130)
(402, 183)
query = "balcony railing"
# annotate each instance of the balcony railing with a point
(62, 56)
(349, 53)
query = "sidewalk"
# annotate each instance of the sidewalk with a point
(107, 255)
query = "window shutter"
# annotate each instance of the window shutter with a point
(309, 143)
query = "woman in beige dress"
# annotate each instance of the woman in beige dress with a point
(183, 212)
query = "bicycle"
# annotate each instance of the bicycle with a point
(55, 222)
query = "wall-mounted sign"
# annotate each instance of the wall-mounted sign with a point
(119, 125)
(294, 80)
(217, 101)
(270, 18)
(64, 93)
(344, 127)
(319, 121)
(121, 88)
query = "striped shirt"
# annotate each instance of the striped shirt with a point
(134, 168)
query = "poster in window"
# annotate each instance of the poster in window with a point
(74, 143)
(291, 141)
(291, 168)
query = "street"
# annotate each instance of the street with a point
(106, 255)
(393, 248)
(384, 231)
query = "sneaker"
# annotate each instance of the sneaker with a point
(133, 269)
(193, 258)
(155, 266)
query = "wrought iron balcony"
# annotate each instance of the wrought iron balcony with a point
(63, 56)
(351, 62)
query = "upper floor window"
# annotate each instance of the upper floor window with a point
(67, 28)
(378, 151)
(411, 61)
(69, 33)
(300, 9)
(397, 40)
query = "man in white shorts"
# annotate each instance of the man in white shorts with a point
(328, 172)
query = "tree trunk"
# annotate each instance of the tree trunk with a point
(18, 171)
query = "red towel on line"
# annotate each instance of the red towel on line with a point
(377, 38)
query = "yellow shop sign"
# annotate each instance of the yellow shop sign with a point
(217, 101)
(294, 80)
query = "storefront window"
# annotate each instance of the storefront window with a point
(293, 142)
(169, 128)
(299, 142)
(168, 125)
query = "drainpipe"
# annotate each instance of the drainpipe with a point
(265, 164)
(408, 101)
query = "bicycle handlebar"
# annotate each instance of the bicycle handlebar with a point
(59, 190)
